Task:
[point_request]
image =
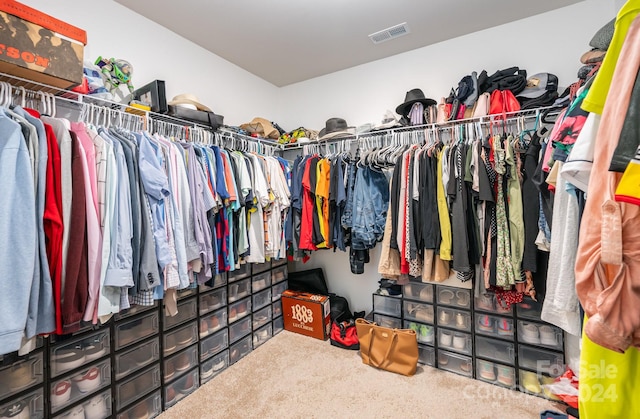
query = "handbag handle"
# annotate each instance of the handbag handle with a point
(385, 360)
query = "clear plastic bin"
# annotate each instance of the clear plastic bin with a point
(238, 290)
(136, 309)
(240, 349)
(455, 319)
(391, 306)
(239, 310)
(425, 333)
(278, 289)
(488, 303)
(494, 326)
(261, 317)
(455, 363)
(97, 407)
(130, 390)
(181, 388)
(135, 330)
(135, 359)
(260, 281)
(239, 329)
(455, 297)
(149, 407)
(260, 267)
(67, 391)
(69, 354)
(454, 341)
(279, 274)
(276, 308)
(418, 291)
(28, 406)
(262, 335)
(219, 280)
(211, 323)
(541, 360)
(421, 312)
(496, 350)
(539, 334)
(387, 321)
(278, 325)
(261, 299)
(242, 272)
(213, 300)
(529, 309)
(426, 355)
(214, 366)
(211, 345)
(180, 338)
(187, 310)
(495, 373)
(178, 364)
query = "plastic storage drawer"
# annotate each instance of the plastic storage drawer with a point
(454, 341)
(261, 299)
(214, 344)
(425, 333)
(496, 350)
(149, 407)
(455, 297)
(135, 330)
(421, 312)
(279, 274)
(455, 363)
(214, 366)
(278, 289)
(187, 310)
(260, 267)
(178, 364)
(383, 304)
(30, 406)
(186, 292)
(97, 407)
(533, 383)
(21, 375)
(278, 325)
(493, 373)
(418, 291)
(539, 334)
(262, 335)
(540, 360)
(218, 281)
(494, 326)
(455, 319)
(69, 354)
(261, 317)
(137, 309)
(67, 391)
(387, 321)
(239, 329)
(180, 338)
(276, 308)
(426, 355)
(239, 309)
(213, 322)
(213, 300)
(180, 388)
(240, 349)
(242, 272)
(260, 281)
(132, 360)
(489, 304)
(239, 290)
(279, 262)
(529, 309)
(142, 383)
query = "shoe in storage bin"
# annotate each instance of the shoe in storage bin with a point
(455, 319)
(425, 333)
(135, 330)
(240, 349)
(278, 289)
(261, 299)
(383, 304)
(239, 329)
(239, 290)
(30, 406)
(260, 281)
(456, 363)
(214, 366)
(260, 267)
(213, 300)
(136, 309)
(218, 281)
(21, 375)
(387, 321)
(180, 338)
(132, 360)
(455, 297)
(418, 291)
(187, 310)
(496, 350)
(213, 322)
(181, 388)
(421, 312)
(494, 373)
(489, 303)
(426, 355)
(69, 354)
(539, 334)
(455, 341)
(278, 325)
(149, 407)
(534, 383)
(136, 386)
(97, 407)
(279, 274)
(529, 309)
(500, 327)
(67, 391)
(239, 310)
(179, 363)
(211, 345)
(242, 272)
(276, 308)
(541, 360)
(262, 335)
(261, 317)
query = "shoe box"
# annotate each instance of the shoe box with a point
(307, 314)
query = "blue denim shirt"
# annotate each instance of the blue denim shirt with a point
(370, 203)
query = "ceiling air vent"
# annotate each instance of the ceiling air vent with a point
(389, 33)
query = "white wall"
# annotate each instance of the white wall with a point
(157, 53)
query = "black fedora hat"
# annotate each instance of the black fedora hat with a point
(335, 127)
(413, 96)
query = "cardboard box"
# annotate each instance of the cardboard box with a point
(307, 314)
(38, 47)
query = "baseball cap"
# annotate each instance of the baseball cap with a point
(539, 84)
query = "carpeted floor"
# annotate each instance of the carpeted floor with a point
(294, 376)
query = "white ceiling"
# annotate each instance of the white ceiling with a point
(289, 41)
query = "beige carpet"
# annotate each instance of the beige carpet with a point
(294, 376)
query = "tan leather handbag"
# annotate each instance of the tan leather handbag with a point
(394, 350)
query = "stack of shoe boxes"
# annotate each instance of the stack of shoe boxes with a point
(213, 331)
(136, 362)
(21, 385)
(540, 349)
(262, 310)
(418, 314)
(279, 276)
(453, 330)
(387, 310)
(239, 313)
